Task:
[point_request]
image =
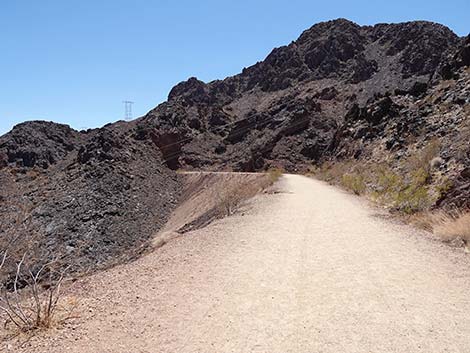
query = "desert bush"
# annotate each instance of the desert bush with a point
(386, 180)
(407, 187)
(407, 193)
(29, 283)
(354, 183)
(330, 171)
(422, 160)
(274, 174)
(230, 195)
(30, 299)
(444, 186)
(229, 199)
(419, 177)
(408, 196)
(453, 227)
(413, 198)
(348, 174)
(16, 237)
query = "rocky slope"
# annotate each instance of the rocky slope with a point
(395, 126)
(89, 198)
(340, 91)
(287, 108)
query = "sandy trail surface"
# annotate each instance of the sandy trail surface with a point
(310, 269)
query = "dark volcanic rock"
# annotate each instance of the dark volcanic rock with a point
(37, 143)
(456, 59)
(95, 199)
(332, 68)
(420, 44)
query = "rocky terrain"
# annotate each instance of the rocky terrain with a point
(90, 198)
(340, 91)
(287, 109)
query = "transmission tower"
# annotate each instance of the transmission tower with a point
(128, 110)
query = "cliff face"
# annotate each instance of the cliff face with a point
(340, 91)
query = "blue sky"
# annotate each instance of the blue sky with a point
(76, 61)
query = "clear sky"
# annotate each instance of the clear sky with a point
(75, 61)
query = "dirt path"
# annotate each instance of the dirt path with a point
(311, 269)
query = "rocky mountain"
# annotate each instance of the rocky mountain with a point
(286, 109)
(340, 91)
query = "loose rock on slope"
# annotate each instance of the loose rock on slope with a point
(89, 198)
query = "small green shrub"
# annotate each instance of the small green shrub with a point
(407, 196)
(407, 188)
(411, 199)
(420, 176)
(274, 174)
(386, 181)
(354, 183)
(444, 186)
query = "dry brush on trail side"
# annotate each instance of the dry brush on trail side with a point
(207, 196)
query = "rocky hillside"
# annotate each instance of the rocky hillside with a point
(286, 109)
(340, 91)
(89, 198)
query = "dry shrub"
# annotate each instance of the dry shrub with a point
(29, 300)
(228, 198)
(420, 220)
(421, 161)
(332, 171)
(407, 191)
(354, 183)
(452, 227)
(18, 237)
(274, 174)
(30, 285)
(231, 195)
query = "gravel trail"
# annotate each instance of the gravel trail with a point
(310, 269)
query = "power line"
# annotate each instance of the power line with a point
(127, 110)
